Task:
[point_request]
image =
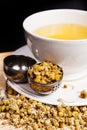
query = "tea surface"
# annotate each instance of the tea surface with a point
(63, 31)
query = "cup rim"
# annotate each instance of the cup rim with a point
(53, 10)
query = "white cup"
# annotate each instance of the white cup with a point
(71, 55)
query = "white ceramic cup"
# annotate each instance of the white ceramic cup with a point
(71, 55)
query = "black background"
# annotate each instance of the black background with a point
(13, 12)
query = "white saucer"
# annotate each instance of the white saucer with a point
(69, 96)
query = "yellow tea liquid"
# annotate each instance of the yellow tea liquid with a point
(63, 31)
